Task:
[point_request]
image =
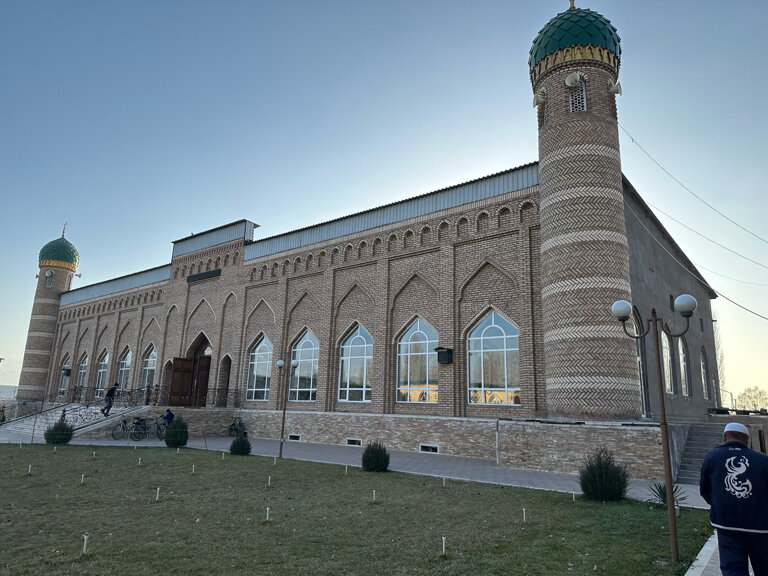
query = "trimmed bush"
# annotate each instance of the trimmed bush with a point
(375, 457)
(601, 478)
(240, 446)
(177, 433)
(59, 433)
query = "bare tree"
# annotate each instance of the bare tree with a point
(752, 398)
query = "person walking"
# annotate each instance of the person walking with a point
(734, 482)
(109, 399)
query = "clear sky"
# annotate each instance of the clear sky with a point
(140, 122)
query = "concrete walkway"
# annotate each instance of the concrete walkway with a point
(439, 465)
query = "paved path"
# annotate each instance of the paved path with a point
(440, 465)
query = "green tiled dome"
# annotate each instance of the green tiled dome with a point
(59, 252)
(576, 27)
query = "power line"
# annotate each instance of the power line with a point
(699, 198)
(684, 267)
(728, 277)
(707, 238)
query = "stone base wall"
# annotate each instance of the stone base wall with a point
(552, 446)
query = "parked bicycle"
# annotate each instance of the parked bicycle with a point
(160, 428)
(136, 431)
(237, 428)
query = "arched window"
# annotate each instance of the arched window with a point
(637, 323)
(101, 373)
(682, 359)
(124, 369)
(704, 373)
(304, 378)
(578, 96)
(355, 367)
(65, 372)
(82, 371)
(493, 353)
(259, 365)
(666, 364)
(49, 278)
(417, 364)
(148, 368)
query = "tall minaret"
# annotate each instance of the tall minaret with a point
(58, 261)
(590, 364)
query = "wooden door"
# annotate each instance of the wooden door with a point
(202, 371)
(181, 382)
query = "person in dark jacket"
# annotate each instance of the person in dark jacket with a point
(109, 399)
(734, 481)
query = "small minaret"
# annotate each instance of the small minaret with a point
(58, 262)
(590, 365)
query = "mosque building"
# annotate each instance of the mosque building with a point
(472, 320)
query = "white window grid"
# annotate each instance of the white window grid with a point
(667, 372)
(492, 339)
(416, 351)
(101, 373)
(123, 370)
(704, 374)
(304, 378)
(578, 97)
(259, 366)
(683, 361)
(148, 368)
(355, 350)
(64, 379)
(82, 372)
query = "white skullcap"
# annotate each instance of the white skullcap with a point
(736, 427)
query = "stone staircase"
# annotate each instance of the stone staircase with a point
(701, 439)
(36, 424)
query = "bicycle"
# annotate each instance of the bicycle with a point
(121, 430)
(237, 428)
(160, 428)
(136, 431)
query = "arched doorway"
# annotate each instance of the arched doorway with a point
(222, 385)
(189, 382)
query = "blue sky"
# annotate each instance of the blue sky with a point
(140, 122)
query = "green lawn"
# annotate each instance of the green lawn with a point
(321, 521)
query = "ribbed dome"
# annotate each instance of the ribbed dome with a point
(60, 252)
(575, 27)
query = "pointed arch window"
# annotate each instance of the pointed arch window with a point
(704, 373)
(493, 353)
(682, 358)
(65, 372)
(259, 365)
(355, 367)
(304, 378)
(82, 371)
(666, 364)
(148, 364)
(101, 373)
(417, 363)
(578, 95)
(124, 369)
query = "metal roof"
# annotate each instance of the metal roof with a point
(242, 229)
(472, 191)
(131, 282)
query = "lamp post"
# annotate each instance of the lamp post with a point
(280, 365)
(685, 304)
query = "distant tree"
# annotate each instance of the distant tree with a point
(752, 398)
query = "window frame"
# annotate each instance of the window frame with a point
(346, 359)
(485, 391)
(124, 369)
(148, 366)
(66, 364)
(102, 369)
(253, 364)
(308, 342)
(427, 390)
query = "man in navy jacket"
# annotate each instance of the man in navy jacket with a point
(734, 481)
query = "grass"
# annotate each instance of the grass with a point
(321, 521)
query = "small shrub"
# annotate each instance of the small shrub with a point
(659, 493)
(59, 433)
(240, 446)
(177, 433)
(375, 457)
(601, 478)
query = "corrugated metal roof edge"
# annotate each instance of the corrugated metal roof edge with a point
(120, 278)
(488, 177)
(667, 236)
(241, 221)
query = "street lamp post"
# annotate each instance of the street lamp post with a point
(685, 304)
(280, 365)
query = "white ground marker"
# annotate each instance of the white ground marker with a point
(85, 542)
(443, 545)
(523, 514)
(157, 494)
(267, 513)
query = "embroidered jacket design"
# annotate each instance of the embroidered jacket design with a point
(732, 483)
